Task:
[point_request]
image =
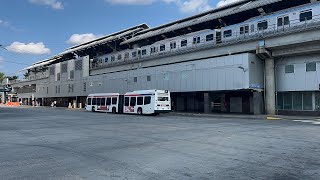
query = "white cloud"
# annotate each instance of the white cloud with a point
(54, 4)
(82, 38)
(185, 6)
(226, 2)
(31, 48)
(4, 23)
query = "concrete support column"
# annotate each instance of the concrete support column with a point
(223, 103)
(270, 87)
(257, 103)
(206, 103)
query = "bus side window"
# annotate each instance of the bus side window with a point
(114, 101)
(108, 102)
(133, 101)
(94, 101)
(140, 101)
(103, 101)
(99, 101)
(89, 101)
(126, 101)
(147, 100)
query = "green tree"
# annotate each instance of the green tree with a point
(2, 76)
(12, 78)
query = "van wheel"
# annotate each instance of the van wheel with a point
(139, 111)
(113, 110)
(93, 109)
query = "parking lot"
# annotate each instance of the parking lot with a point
(53, 143)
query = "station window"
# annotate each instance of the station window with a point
(113, 58)
(305, 16)
(184, 43)
(126, 101)
(106, 59)
(114, 101)
(289, 69)
(311, 67)
(134, 54)
(133, 101)
(148, 78)
(147, 100)
(72, 74)
(209, 37)
(144, 52)
(58, 76)
(108, 102)
(262, 25)
(140, 101)
(227, 33)
(119, 57)
(47, 90)
(162, 47)
(84, 87)
(196, 40)
(135, 79)
(89, 101)
(173, 45)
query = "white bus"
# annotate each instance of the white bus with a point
(137, 102)
(147, 102)
(103, 102)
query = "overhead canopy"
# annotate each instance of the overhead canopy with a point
(103, 40)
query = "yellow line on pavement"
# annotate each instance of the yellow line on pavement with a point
(273, 118)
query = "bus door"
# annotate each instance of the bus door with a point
(120, 104)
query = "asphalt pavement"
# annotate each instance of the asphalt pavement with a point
(55, 143)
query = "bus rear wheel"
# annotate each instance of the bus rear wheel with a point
(113, 110)
(139, 111)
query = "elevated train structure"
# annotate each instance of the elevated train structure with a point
(249, 57)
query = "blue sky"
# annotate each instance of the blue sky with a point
(33, 30)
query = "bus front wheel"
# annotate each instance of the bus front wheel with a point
(140, 111)
(93, 109)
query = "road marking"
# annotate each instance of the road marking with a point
(273, 118)
(314, 122)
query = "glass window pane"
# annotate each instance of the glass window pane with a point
(132, 101)
(103, 101)
(311, 67)
(94, 101)
(89, 101)
(307, 101)
(280, 23)
(114, 100)
(287, 97)
(147, 100)
(297, 101)
(140, 101)
(126, 101)
(108, 101)
(289, 69)
(280, 101)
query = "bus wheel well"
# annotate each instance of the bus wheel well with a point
(93, 109)
(113, 110)
(139, 111)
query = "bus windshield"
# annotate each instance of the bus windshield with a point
(163, 98)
